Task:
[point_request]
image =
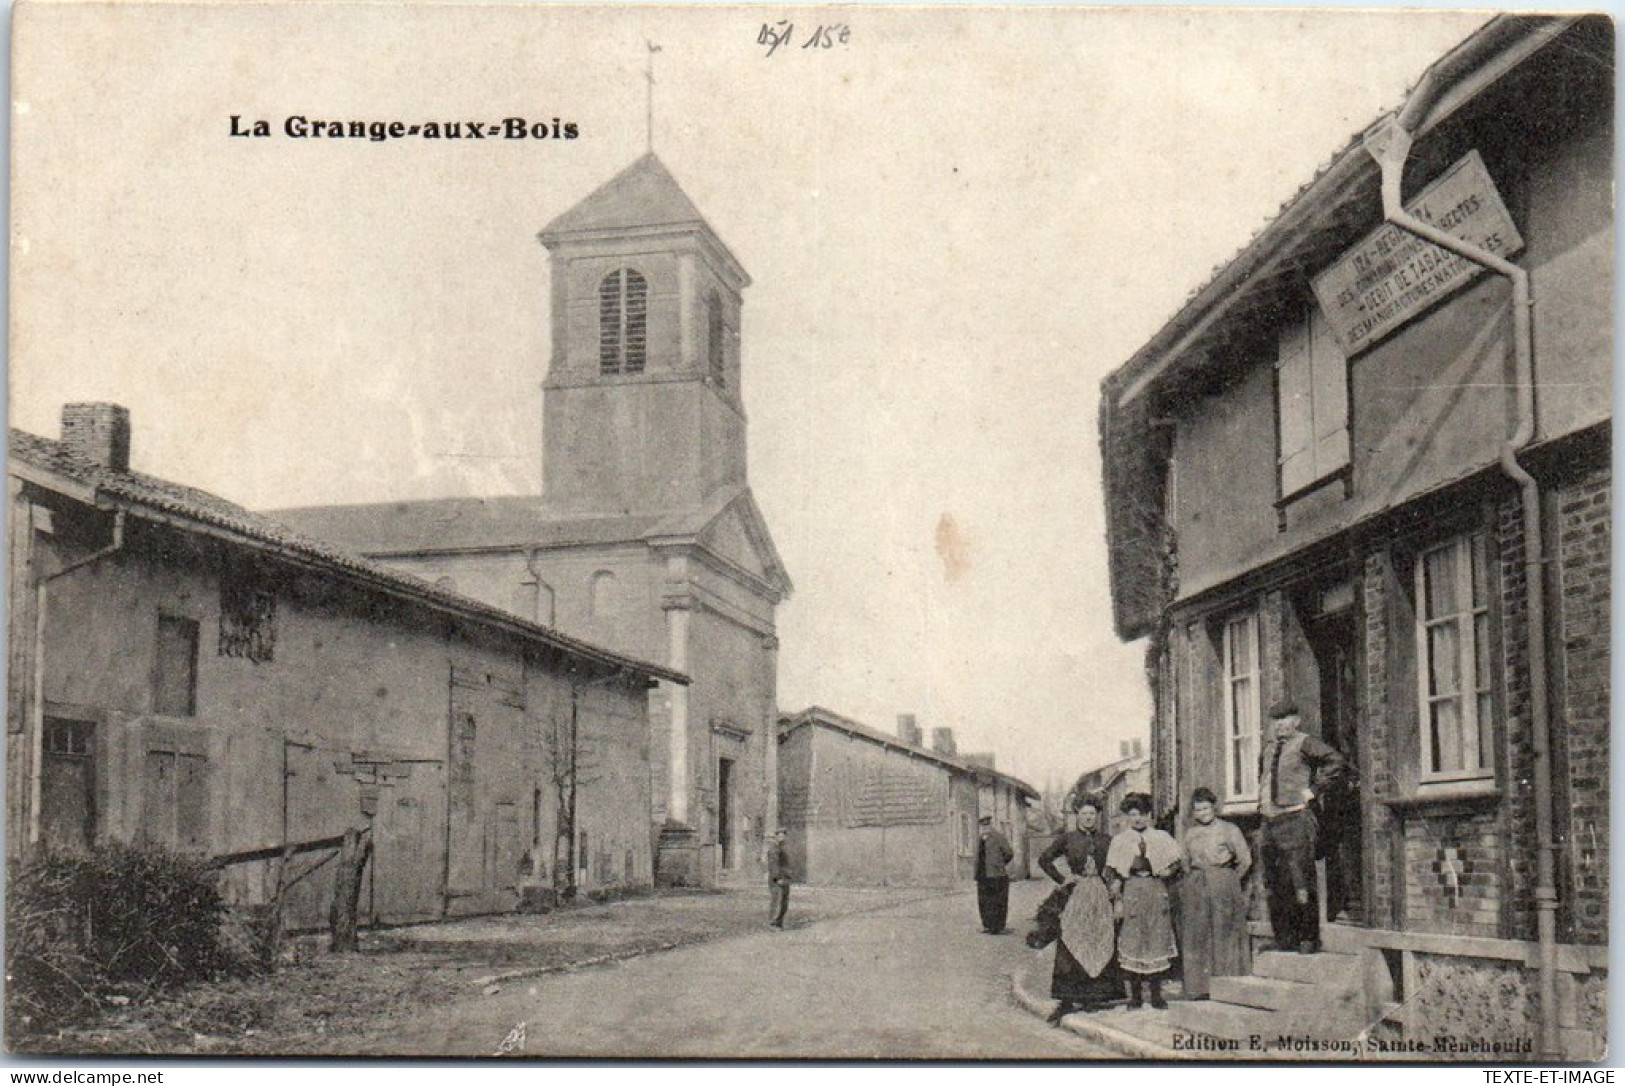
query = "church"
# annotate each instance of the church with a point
(646, 538)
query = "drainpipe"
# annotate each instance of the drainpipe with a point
(36, 766)
(1390, 146)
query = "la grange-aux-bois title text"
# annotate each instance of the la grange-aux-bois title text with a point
(300, 127)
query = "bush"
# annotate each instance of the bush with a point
(116, 921)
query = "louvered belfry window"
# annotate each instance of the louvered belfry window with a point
(623, 322)
(716, 342)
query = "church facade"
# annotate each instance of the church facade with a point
(646, 537)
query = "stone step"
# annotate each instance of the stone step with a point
(1304, 968)
(1265, 993)
(1343, 938)
(1216, 1019)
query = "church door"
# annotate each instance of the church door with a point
(725, 821)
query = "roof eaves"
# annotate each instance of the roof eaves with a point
(189, 509)
(1515, 38)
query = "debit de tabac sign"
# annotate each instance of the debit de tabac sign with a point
(1391, 276)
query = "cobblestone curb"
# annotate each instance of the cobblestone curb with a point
(1084, 1026)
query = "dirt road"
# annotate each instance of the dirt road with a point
(918, 979)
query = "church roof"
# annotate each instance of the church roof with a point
(454, 524)
(395, 529)
(643, 195)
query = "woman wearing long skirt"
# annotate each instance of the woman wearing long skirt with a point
(1213, 906)
(1142, 860)
(1085, 975)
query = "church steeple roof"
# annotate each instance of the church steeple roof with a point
(643, 194)
(641, 197)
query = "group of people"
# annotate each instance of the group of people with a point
(1112, 920)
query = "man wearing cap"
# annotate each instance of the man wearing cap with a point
(778, 880)
(993, 858)
(1294, 769)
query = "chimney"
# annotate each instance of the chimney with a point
(908, 730)
(98, 432)
(942, 741)
(1138, 749)
(984, 759)
(1123, 749)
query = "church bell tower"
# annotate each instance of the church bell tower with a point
(641, 406)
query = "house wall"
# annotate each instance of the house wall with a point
(1429, 403)
(859, 814)
(1000, 800)
(734, 672)
(369, 709)
(1583, 511)
(1453, 864)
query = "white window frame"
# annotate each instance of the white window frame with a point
(1471, 618)
(1241, 744)
(1311, 404)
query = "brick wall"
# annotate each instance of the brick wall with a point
(1452, 874)
(1272, 657)
(1380, 779)
(1516, 755)
(1581, 718)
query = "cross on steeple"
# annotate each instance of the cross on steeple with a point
(649, 74)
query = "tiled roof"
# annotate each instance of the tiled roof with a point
(438, 526)
(817, 715)
(132, 489)
(452, 524)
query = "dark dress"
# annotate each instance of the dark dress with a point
(1071, 982)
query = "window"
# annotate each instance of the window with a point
(533, 600)
(1312, 403)
(1453, 652)
(247, 613)
(623, 322)
(174, 685)
(716, 340)
(1241, 706)
(602, 599)
(175, 801)
(68, 783)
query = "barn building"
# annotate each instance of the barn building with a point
(186, 673)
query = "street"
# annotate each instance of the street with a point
(913, 980)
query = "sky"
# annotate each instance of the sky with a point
(958, 221)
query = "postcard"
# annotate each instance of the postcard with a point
(850, 532)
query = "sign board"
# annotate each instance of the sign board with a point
(1392, 276)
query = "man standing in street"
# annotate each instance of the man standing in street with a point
(1294, 770)
(993, 858)
(778, 880)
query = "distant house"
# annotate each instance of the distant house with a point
(188, 673)
(1371, 473)
(863, 808)
(1115, 780)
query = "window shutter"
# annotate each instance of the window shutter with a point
(1295, 409)
(1330, 395)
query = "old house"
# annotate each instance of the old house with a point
(1112, 782)
(646, 537)
(863, 808)
(1367, 467)
(187, 673)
